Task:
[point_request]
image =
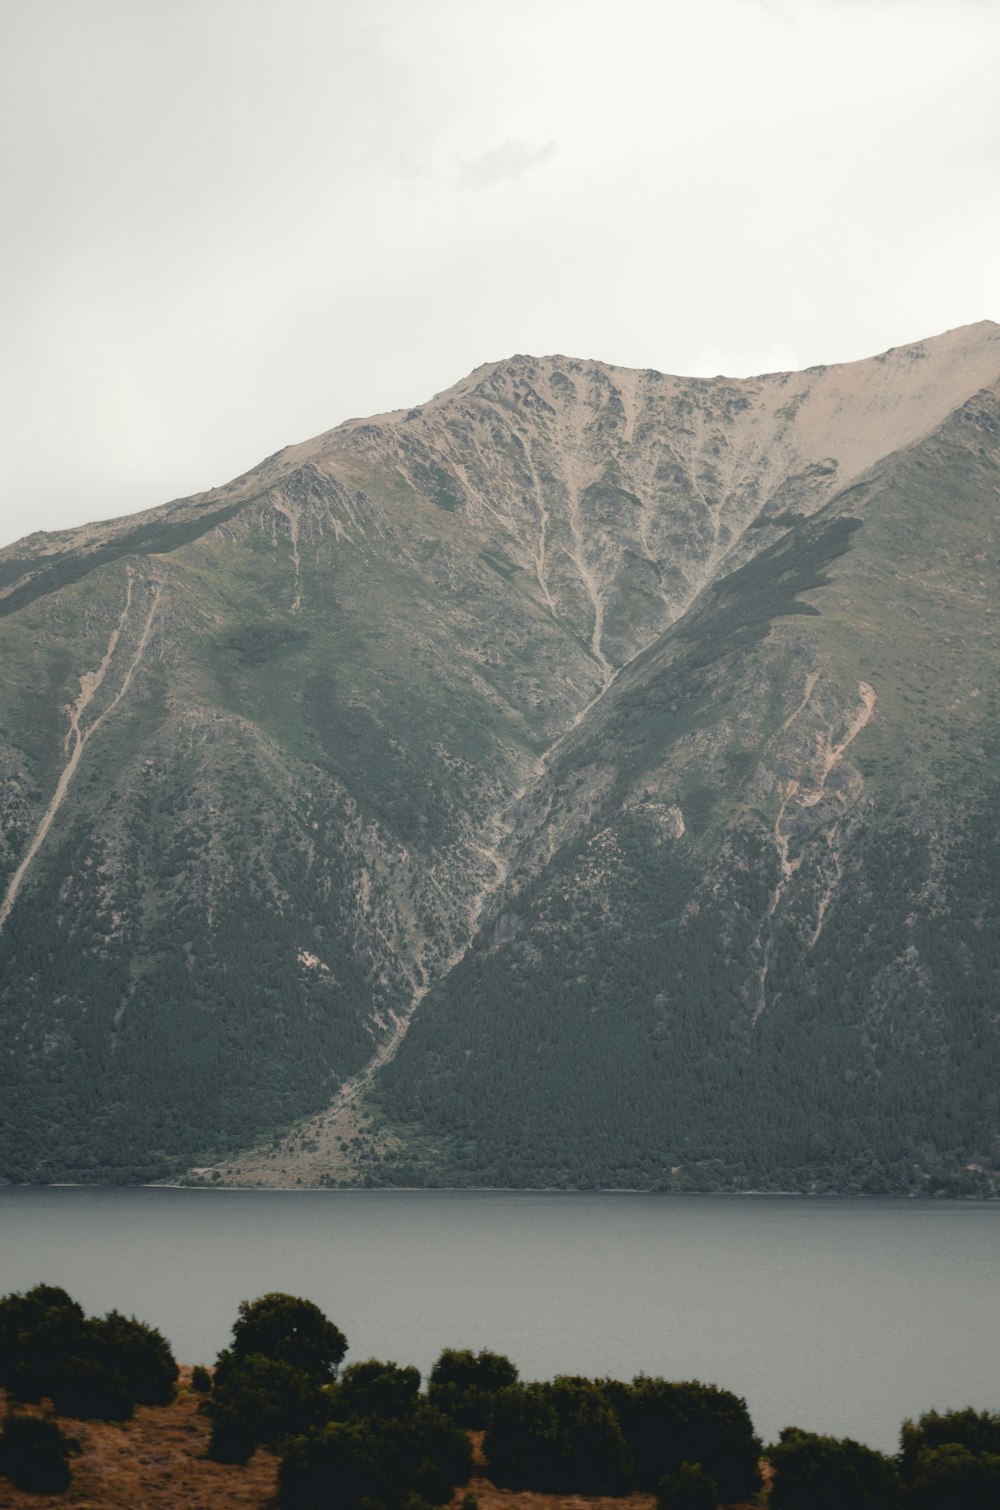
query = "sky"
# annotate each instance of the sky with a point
(231, 224)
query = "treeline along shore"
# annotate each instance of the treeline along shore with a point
(279, 1421)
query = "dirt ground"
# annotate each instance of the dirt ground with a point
(156, 1460)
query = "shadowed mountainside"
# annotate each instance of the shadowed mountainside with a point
(634, 736)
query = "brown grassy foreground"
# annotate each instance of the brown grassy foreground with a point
(157, 1461)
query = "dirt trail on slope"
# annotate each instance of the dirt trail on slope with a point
(293, 514)
(313, 1149)
(835, 754)
(577, 479)
(90, 684)
(807, 797)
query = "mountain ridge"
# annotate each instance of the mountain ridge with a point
(958, 338)
(432, 646)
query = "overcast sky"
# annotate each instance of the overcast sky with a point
(230, 224)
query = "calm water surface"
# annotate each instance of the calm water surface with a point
(838, 1316)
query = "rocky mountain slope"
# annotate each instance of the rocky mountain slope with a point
(586, 777)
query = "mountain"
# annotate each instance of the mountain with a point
(587, 777)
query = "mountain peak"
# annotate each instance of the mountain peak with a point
(520, 365)
(606, 683)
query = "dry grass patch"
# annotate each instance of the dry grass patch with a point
(156, 1461)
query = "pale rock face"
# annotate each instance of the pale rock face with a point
(624, 493)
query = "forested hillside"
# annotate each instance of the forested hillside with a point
(588, 776)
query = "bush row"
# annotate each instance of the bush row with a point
(366, 1437)
(88, 1366)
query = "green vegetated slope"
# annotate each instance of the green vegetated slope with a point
(233, 899)
(634, 735)
(752, 962)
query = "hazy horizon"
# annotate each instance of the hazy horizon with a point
(232, 227)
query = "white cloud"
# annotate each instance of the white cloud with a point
(718, 362)
(509, 160)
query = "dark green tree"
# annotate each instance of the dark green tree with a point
(690, 1488)
(342, 1464)
(976, 1430)
(97, 1367)
(38, 1329)
(34, 1455)
(83, 1387)
(369, 1459)
(258, 1403)
(138, 1352)
(827, 1473)
(668, 1423)
(288, 1329)
(557, 1438)
(464, 1384)
(951, 1477)
(375, 1389)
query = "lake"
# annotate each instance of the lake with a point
(840, 1316)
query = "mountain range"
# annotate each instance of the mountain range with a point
(586, 778)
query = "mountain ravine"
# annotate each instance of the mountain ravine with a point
(587, 778)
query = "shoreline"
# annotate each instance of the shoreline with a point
(507, 1190)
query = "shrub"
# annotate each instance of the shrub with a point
(90, 1391)
(689, 1489)
(99, 1367)
(978, 1431)
(558, 1438)
(37, 1331)
(396, 1462)
(259, 1402)
(289, 1330)
(464, 1384)
(233, 1439)
(342, 1463)
(442, 1446)
(34, 1455)
(138, 1352)
(667, 1424)
(951, 1477)
(826, 1473)
(375, 1389)
(201, 1380)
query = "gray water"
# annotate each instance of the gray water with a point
(838, 1316)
